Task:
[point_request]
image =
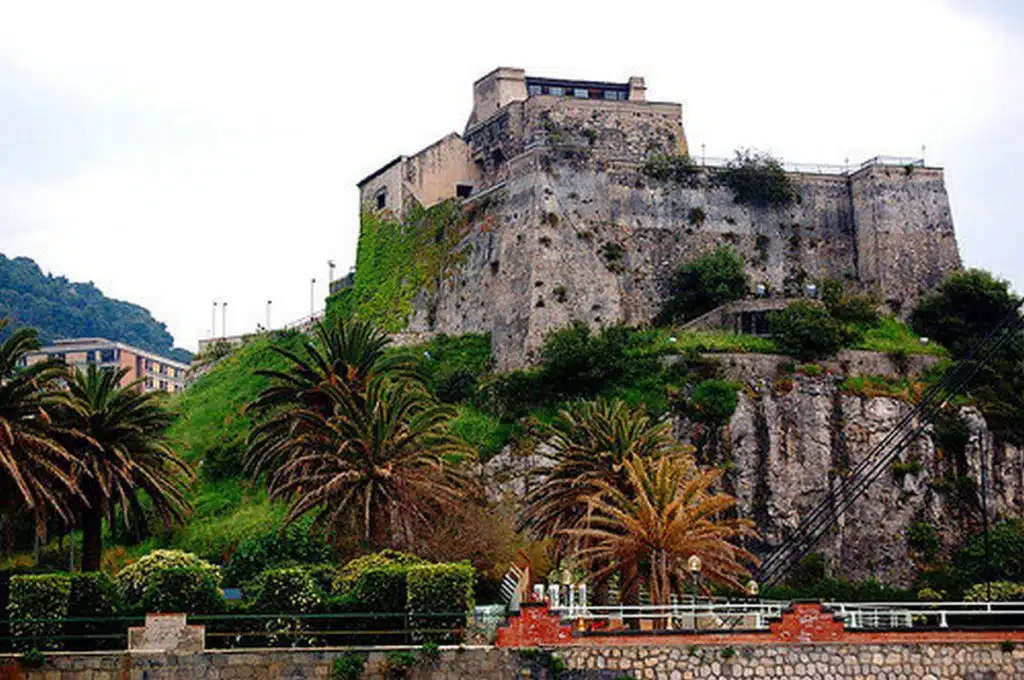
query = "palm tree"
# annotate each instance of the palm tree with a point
(35, 470)
(647, 531)
(116, 434)
(348, 352)
(382, 462)
(590, 442)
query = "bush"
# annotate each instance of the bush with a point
(296, 542)
(510, 395)
(924, 540)
(440, 589)
(807, 331)
(1002, 591)
(182, 589)
(348, 666)
(679, 169)
(133, 580)
(705, 283)
(399, 664)
(93, 595)
(287, 591)
(713, 402)
(455, 385)
(1006, 545)
(34, 601)
(33, 658)
(382, 589)
(349, 574)
(757, 179)
(858, 310)
(577, 362)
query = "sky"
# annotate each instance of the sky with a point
(178, 154)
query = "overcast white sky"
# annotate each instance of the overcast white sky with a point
(187, 152)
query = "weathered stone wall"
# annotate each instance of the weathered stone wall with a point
(797, 662)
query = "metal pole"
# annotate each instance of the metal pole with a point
(330, 275)
(268, 314)
(223, 320)
(984, 523)
(312, 288)
(213, 324)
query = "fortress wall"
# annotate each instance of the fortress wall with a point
(432, 174)
(905, 239)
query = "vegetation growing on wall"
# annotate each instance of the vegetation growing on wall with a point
(679, 169)
(396, 260)
(705, 283)
(757, 179)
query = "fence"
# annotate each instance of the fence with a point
(824, 168)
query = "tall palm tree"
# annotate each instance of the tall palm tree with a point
(116, 434)
(344, 353)
(649, 530)
(590, 442)
(35, 470)
(382, 462)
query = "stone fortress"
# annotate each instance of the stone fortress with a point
(565, 225)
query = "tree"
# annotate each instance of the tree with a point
(36, 472)
(705, 283)
(343, 353)
(758, 179)
(590, 442)
(967, 306)
(807, 331)
(382, 461)
(576, 361)
(648, 530)
(116, 435)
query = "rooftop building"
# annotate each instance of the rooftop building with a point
(154, 372)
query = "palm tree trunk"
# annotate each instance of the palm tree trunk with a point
(92, 538)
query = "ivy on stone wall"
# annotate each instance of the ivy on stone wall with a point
(395, 260)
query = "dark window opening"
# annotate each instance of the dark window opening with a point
(382, 198)
(463, 190)
(754, 323)
(497, 157)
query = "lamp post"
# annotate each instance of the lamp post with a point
(223, 320)
(330, 275)
(213, 322)
(312, 287)
(268, 315)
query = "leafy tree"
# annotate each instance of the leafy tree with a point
(381, 462)
(1006, 546)
(705, 283)
(967, 306)
(858, 310)
(757, 179)
(648, 529)
(35, 470)
(116, 435)
(713, 402)
(576, 361)
(807, 331)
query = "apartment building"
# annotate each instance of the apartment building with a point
(154, 372)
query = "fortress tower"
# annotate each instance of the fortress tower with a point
(559, 221)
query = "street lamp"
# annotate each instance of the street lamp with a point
(213, 323)
(312, 287)
(223, 320)
(268, 315)
(330, 275)
(694, 564)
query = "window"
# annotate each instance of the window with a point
(149, 365)
(163, 385)
(90, 356)
(535, 90)
(107, 356)
(618, 95)
(581, 93)
(463, 190)
(556, 91)
(149, 381)
(382, 198)
(497, 157)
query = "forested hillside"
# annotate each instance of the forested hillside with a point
(60, 308)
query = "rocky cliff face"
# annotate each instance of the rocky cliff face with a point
(792, 437)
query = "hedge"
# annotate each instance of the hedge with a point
(439, 589)
(34, 601)
(193, 590)
(133, 580)
(93, 595)
(287, 591)
(350, 573)
(296, 543)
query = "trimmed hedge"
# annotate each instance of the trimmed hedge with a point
(193, 590)
(350, 573)
(133, 580)
(93, 595)
(34, 601)
(440, 589)
(287, 591)
(382, 589)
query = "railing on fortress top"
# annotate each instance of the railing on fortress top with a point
(823, 168)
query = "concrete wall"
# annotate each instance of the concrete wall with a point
(432, 174)
(796, 662)
(495, 90)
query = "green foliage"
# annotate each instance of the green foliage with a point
(669, 168)
(859, 310)
(483, 431)
(728, 653)
(229, 520)
(692, 342)
(34, 601)
(1007, 646)
(133, 580)
(349, 574)
(840, 590)
(382, 589)
(439, 589)
(451, 365)
(395, 261)
(613, 254)
(880, 386)
(1002, 591)
(924, 540)
(809, 571)
(59, 308)
(296, 542)
(182, 589)
(511, 395)
(757, 179)
(713, 402)
(807, 331)
(1006, 543)
(910, 467)
(348, 666)
(287, 591)
(577, 362)
(32, 658)
(399, 664)
(430, 651)
(705, 283)
(892, 336)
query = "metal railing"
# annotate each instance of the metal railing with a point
(823, 168)
(699, 615)
(869, 615)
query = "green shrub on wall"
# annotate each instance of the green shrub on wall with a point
(704, 283)
(133, 579)
(757, 179)
(182, 589)
(807, 331)
(288, 591)
(349, 574)
(435, 589)
(34, 601)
